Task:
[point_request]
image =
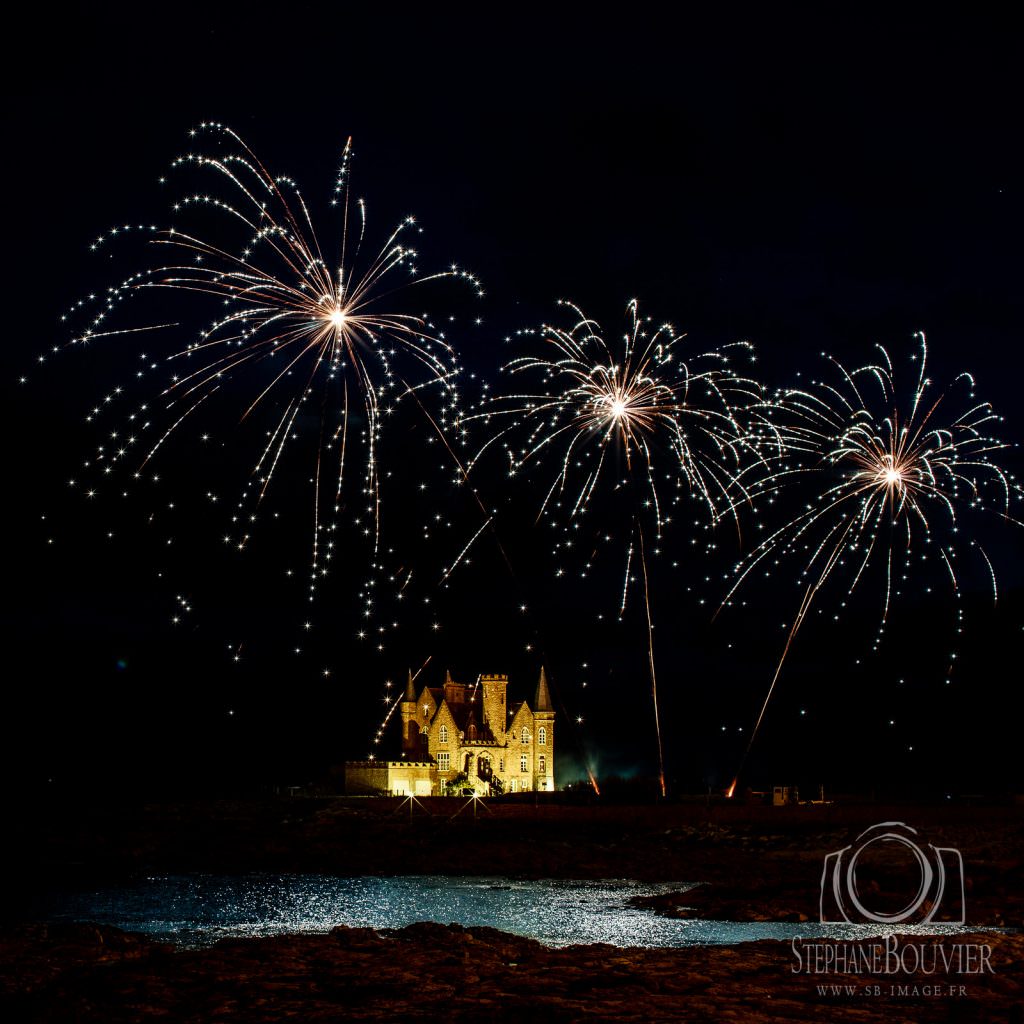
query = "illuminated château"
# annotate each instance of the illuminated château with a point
(459, 736)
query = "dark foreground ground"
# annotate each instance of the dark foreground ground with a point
(757, 863)
(432, 972)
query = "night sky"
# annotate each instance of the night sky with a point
(806, 181)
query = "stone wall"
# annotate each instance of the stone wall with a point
(394, 778)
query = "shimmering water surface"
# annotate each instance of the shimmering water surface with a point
(196, 910)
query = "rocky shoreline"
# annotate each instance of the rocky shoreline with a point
(85, 973)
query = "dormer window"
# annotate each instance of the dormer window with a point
(442, 734)
(525, 735)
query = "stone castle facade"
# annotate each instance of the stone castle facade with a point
(460, 736)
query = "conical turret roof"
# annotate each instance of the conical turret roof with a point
(542, 699)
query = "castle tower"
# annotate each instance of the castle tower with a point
(544, 734)
(410, 727)
(495, 711)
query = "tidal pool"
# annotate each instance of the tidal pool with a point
(197, 910)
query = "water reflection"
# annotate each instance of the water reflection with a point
(196, 910)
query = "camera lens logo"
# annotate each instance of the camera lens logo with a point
(890, 876)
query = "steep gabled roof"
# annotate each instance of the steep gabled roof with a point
(518, 709)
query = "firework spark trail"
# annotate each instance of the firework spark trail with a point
(650, 661)
(598, 405)
(463, 478)
(902, 479)
(393, 705)
(462, 554)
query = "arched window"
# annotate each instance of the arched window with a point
(542, 764)
(442, 734)
(542, 737)
(525, 735)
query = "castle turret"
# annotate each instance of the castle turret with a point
(544, 736)
(410, 728)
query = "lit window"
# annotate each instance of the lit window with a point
(542, 736)
(442, 734)
(541, 764)
(525, 735)
(522, 763)
(512, 786)
(444, 761)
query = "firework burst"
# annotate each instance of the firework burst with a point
(639, 399)
(621, 420)
(293, 331)
(898, 471)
